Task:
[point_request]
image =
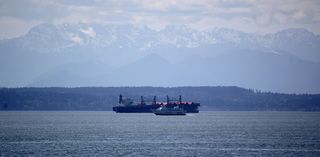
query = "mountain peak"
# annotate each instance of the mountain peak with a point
(41, 29)
(153, 59)
(296, 33)
(140, 51)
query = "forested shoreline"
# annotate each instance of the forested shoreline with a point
(103, 98)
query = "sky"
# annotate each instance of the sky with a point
(17, 17)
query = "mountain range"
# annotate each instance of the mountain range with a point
(74, 55)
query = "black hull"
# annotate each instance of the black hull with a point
(164, 114)
(189, 108)
(134, 109)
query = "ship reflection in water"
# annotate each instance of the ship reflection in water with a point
(127, 105)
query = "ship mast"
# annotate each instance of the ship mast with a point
(154, 99)
(142, 101)
(120, 99)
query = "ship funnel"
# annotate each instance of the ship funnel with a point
(180, 100)
(120, 99)
(154, 99)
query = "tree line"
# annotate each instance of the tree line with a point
(103, 98)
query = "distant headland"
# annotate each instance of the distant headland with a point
(226, 98)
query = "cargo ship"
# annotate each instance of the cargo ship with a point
(127, 105)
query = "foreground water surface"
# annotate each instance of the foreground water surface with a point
(76, 133)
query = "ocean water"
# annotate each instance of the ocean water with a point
(73, 133)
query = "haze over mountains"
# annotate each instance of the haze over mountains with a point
(125, 55)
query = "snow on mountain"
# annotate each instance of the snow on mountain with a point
(62, 38)
(41, 57)
(298, 42)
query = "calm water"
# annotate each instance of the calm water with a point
(204, 134)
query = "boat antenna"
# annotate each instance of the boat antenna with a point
(154, 99)
(180, 100)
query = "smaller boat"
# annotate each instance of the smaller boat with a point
(163, 110)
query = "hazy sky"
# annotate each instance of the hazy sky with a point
(263, 16)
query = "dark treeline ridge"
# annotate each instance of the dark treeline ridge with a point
(103, 98)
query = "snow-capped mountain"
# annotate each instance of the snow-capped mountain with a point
(42, 56)
(48, 38)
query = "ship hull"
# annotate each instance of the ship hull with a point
(170, 114)
(135, 109)
(191, 108)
